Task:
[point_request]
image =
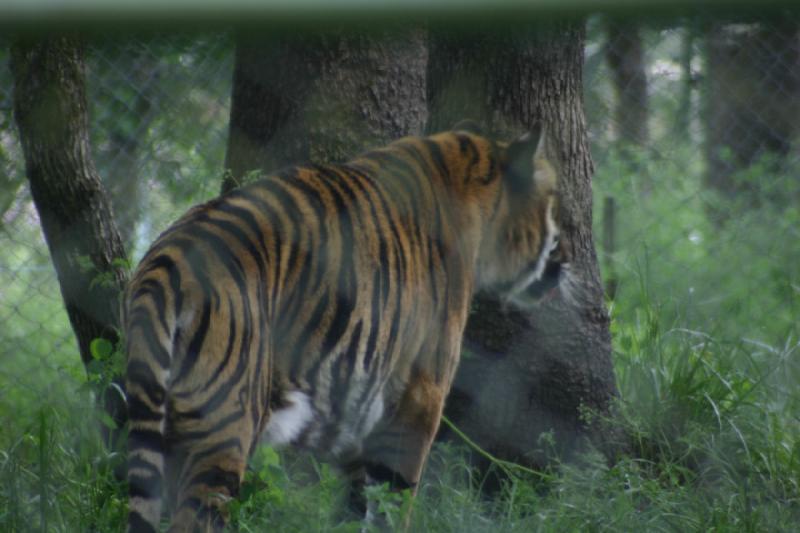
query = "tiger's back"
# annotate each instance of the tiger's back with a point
(322, 307)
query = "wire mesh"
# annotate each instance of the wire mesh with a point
(158, 112)
(714, 107)
(703, 180)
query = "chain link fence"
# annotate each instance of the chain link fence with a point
(693, 126)
(158, 117)
(694, 130)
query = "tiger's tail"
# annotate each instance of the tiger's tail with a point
(147, 376)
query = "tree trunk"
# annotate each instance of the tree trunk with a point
(688, 80)
(752, 99)
(322, 97)
(339, 94)
(625, 57)
(527, 374)
(51, 114)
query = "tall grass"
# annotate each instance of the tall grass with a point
(56, 471)
(715, 446)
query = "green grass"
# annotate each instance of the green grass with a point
(715, 446)
(57, 475)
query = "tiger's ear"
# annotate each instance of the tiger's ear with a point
(519, 159)
(470, 126)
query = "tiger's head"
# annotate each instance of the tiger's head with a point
(522, 257)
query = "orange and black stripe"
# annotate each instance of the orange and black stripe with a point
(347, 285)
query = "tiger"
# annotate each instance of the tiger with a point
(322, 306)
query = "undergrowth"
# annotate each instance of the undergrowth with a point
(713, 445)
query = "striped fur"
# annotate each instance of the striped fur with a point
(323, 307)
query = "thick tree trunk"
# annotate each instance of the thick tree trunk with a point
(322, 97)
(337, 95)
(51, 114)
(752, 98)
(524, 375)
(625, 56)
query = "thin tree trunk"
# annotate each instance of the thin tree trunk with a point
(752, 97)
(684, 115)
(51, 114)
(322, 97)
(625, 56)
(527, 374)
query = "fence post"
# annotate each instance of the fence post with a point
(609, 242)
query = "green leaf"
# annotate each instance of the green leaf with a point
(106, 420)
(269, 456)
(101, 349)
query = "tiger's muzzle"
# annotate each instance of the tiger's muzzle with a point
(535, 289)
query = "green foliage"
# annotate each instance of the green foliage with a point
(733, 278)
(290, 493)
(56, 473)
(712, 416)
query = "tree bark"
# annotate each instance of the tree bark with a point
(625, 56)
(322, 97)
(527, 374)
(752, 99)
(51, 113)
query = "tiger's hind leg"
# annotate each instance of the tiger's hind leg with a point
(212, 453)
(356, 475)
(211, 477)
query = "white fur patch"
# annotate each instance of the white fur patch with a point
(358, 423)
(287, 423)
(373, 415)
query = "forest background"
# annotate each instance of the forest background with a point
(693, 125)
